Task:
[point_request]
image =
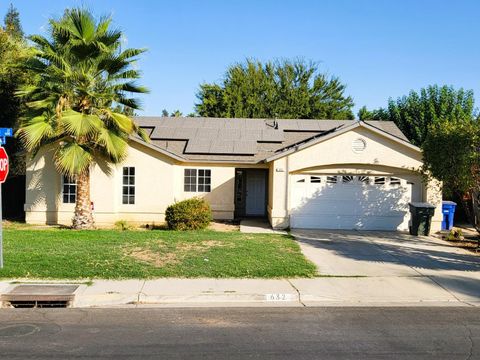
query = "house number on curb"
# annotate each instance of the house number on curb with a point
(279, 297)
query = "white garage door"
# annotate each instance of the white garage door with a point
(350, 202)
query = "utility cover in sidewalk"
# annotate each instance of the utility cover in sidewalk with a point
(39, 295)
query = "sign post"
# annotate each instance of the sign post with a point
(4, 133)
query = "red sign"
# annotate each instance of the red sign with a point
(3, 165)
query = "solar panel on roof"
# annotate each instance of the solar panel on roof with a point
(287, 124)
(163, 132)
(184, 133)
(221, 147)
(198, 146)
(250, 135)
(192, 123)
(172, 122)
(244, 147)
(214, 123)
(209, 134)
(235, 124)
(272, 135)
(308, 125)
(229, 134)
(255, 124)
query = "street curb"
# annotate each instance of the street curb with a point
(239, 292)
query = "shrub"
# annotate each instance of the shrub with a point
(190, 214)
(122, 225)
(455, 235)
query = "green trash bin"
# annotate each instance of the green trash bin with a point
(422, 214)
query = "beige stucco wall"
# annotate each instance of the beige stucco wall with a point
(154, 190)
(159, 183)
(221, 196)
(382, 156)
(278, 193)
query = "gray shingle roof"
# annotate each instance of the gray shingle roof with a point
(240, 140)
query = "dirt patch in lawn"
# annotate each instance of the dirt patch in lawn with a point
(164, 256)
(223, 226)
(154, 258)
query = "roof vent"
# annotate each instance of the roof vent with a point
(358, 145)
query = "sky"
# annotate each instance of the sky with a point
(378, 48)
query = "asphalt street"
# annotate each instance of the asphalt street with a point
(241, 333)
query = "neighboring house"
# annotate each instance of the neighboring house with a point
(298, 173)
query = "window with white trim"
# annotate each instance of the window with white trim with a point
(197, 180)
(315, 179)
(69, 190)
(128, 187)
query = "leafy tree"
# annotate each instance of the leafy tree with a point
(12, 22)
(14, 51)
(176, 113)
(378, 114)
(451, 154)
(212, 102)
(164, 113)
(285, 89)
(414, 113)
(82, 74)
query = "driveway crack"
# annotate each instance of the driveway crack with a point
(298, 292)
(140, 293)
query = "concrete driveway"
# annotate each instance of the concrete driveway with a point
(394, 262)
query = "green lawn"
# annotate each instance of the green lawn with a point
(111, 254)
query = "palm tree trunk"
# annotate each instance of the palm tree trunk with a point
(83, 218)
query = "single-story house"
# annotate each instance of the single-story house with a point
(326, 174)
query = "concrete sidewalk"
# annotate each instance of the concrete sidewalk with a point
(321, 291)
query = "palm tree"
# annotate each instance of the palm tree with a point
(176, 113)
(82, 76)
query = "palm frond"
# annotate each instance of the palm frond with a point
(121, 121)
(130, 53)
(130, 102)
(103, 25)
(44, 103)
(125, 75)
(72, 159)
(111, 38)
(36, 130)
(114, 144)
(79, 124)
(41, 41)
(143, 134)
(132, 88)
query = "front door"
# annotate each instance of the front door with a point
(255, 204)
(240, 189)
